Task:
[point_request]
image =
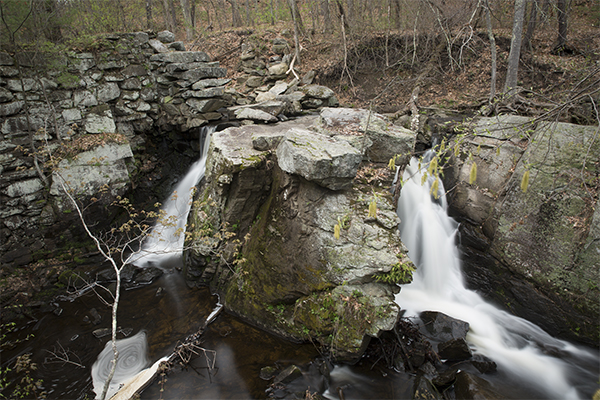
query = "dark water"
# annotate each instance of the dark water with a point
(171, 315)
(168, 311)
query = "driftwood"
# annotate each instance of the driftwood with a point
(182, 351)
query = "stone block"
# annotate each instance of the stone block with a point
(181, 57)
(205, 106)
(158, 46)
(6, 59)
(165, 36)
(11, 108)
(108, 91)
(72, 114)
(100, 120)
(318, 158)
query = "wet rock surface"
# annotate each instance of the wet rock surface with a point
(297, 275)
(532, 214)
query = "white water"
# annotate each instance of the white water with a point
(166, 240)
(133, 357)
(163, 244)
(515, 344)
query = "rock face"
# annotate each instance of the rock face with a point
(318, 158)
(123, 87)
(102, 167)
(547, 235)
(292, 271)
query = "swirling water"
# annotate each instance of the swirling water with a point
(133, 357)
(519, 347)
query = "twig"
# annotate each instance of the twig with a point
(62, 355)
(291, 69)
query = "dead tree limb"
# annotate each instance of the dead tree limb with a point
(183, 351)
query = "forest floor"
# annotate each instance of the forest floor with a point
(381, 68)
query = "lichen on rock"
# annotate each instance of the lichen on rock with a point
(286, 270)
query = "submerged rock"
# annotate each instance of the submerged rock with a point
(468, 386)
(442, 327)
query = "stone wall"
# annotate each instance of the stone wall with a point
(129, 83)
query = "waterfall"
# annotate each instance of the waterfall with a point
(515, 344)
(165, 242)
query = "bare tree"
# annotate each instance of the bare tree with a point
(169, 20)
(515, 46)
(188, 20)
(236, 19)
(488, 20)
(296, 18)
(149, 24)
(249, 19)
(562, 14)
(531, 25)
(327, 27)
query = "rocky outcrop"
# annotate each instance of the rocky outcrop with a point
(263, 87)
(308, 251)
(145, 88)
(65, 102)
(543, 240)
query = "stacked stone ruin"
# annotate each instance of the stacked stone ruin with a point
(131, 84)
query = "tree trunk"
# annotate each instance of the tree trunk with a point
(187, 20)
(149, 15)
(272, 14)
(531, 25)
(167, 18)
(193, 14)
(327, 27)
(236, 19)
(295, 18)
(173, 15)
(350, 14)
(515, 46)
(170, 22)
(562, 15)
(397, 13)
(488, 20)
(249, 21)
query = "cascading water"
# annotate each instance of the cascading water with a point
(165, 242)
(516, 345)
(163, 245)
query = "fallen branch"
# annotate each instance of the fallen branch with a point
(292, 68)
(62, 356)
(183, 351)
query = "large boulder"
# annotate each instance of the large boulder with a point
(380, 140)
(318, 158)
(101, 172)
(543, 239)
(306, 258)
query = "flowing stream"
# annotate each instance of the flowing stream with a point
(162, 248)
(520, 348)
